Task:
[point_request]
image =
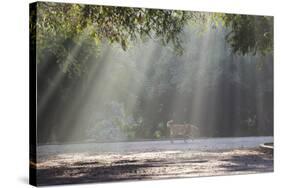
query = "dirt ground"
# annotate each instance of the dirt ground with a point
(89, 167)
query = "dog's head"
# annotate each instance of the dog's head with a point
(169, 123)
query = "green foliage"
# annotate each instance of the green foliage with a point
(58, 22)
(249, 34)
(62, 28)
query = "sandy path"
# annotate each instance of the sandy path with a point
(83, 167)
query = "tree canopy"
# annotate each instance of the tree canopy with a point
(249, 33)
(120, 25)
(61, 26)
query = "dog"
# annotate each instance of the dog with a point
(185, 130)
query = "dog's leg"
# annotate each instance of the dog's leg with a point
(171, 138)
(184, 138)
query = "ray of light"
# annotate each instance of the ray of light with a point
(61, 74)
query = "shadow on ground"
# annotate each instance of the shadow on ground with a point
(257, 163)
(153, 165)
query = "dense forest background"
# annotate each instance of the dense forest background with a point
(115, 73)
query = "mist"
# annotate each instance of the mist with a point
(131, 95)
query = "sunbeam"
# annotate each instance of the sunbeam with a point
(56, 81)
(136, 93)
(131, 94)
